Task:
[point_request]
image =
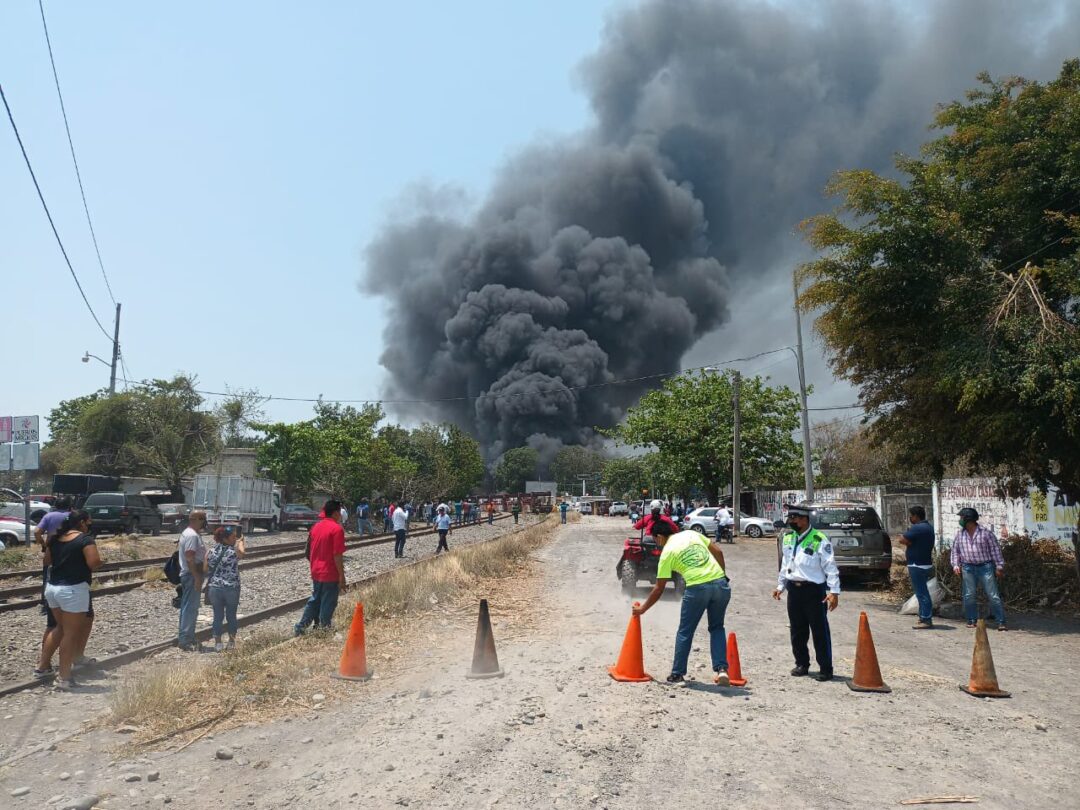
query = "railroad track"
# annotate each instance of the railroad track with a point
(27, 596)
(122, 659)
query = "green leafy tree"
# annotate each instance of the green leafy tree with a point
(64, 451)
(689, 421)
(951, 295)
(237, 414)
(462, 454)
(625, 477)
(158, 430)
(572, 462)
(292, 455)
(516, 466)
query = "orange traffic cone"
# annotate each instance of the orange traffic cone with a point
(631, 664)
(485, 662)
(734, 670)
(353, 666)
(983, 681)
(867, 672)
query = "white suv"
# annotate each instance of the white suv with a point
(619, 508)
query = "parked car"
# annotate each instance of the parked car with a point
(174, 516)
(619, 508)
(704, 520)
(862, 547)
(298, 516)
(121, 512)
(11, 504)
(13, 531)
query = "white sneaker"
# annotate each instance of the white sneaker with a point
(218, 646)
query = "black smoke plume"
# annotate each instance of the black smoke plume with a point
(610, 254)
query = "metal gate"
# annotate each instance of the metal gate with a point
(895, 506)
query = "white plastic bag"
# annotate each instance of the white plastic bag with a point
(937, 594)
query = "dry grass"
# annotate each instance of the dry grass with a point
(271, 673)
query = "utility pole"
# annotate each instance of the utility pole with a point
(115, 352)
(808, 467)
(736, 460)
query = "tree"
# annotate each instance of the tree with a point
(156, 430)
(848, 456)
(572, 462)
(951, 296)
(689, 422)
(292, 455)
(237, 414)
(624, 477)
(516, 466)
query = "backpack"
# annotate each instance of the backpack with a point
(171, 569)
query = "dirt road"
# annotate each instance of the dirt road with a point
(557, 732)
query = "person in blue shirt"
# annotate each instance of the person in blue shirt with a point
(918, 542)
(562, 510)
(442, 525)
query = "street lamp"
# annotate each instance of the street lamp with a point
(112, 366)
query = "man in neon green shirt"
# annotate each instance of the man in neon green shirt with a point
(701, 565)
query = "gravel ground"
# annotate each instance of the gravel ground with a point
(146, 615)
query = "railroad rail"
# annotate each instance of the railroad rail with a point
(129, 657)
(265, 555)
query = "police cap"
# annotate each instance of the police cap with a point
(799, 510)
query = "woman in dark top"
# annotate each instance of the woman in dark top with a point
(71, 556)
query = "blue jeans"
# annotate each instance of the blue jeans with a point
(363, 526)
(708, 597)
(985, 573)
(189, 610)
(320, 607)
(563, 515)
(919, 578)
(224, 602)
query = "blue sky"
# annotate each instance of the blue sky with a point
(237, 157)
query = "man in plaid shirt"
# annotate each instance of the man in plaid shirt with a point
(977, 556)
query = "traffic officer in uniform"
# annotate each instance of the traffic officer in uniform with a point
(809, 574)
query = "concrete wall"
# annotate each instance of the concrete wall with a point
(234, 461)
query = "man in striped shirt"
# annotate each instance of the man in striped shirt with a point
(976, 556)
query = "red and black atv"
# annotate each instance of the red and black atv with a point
(640, 558)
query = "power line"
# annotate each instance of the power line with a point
(71, 144)
(41, 197)
(835, 408)
(507, 395)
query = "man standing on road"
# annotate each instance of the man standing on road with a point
(976, 555)
(490, 511)
(809, 575)
(401, 526)
(918, 542)
(363, 518)
(326, 553)
(701, 565)
(562, 510)
(192, 558)
(515, 510)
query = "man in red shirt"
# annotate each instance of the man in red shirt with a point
(326, 550)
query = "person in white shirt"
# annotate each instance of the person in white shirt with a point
(442, 525)
(724, 522)
(811, 579)
(192, 558)
(400, 521)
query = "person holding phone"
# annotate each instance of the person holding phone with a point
(223, 569)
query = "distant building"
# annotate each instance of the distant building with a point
(542, 487)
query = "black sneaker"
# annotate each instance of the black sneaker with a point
(676, 678)
(799, 672)
(824, 676)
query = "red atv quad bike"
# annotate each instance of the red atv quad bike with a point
(640, 558)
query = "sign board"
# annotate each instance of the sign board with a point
(5, 458)
(5, 429)
(25, 429)
(26, 456)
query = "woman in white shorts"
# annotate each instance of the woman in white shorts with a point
(72, 556)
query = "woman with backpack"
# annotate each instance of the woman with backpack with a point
(222, 565)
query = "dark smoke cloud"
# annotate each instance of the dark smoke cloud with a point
(611, 254)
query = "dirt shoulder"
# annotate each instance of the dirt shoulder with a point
(557, 732)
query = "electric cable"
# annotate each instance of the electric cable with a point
(71, 144)
(52, 224)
